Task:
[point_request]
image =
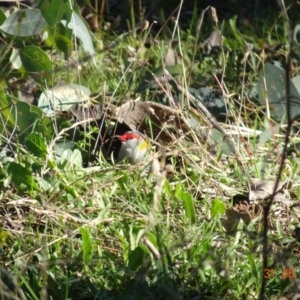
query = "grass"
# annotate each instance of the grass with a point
(114, 232)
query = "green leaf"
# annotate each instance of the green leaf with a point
(57, 37)
(86, 246)
(62, 98)
(15, 60)
(65, 157)
(236, 33)
(7, 116)
(19, 117)
(218, 208)
(22, 23)
(271, 87)
(63, 44)
(188, 204)
(81, 32)
(295, 32)
(3, 237)
(36, 144)
(296, 82)
(63, 150)
(252, 264)
(37, 63)
(223, 144)
(45, 127)
(167, 188)
(2, 17)
(268, 134)
(22, 177)
(136, 258)
(25, 117)
(53, 11)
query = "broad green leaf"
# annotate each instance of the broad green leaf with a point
(62, 98)
(26, 116)
(81, 32)
(268, 134)
(15, 59)
(295, 32)
(63, 44)
(271, 86)
(63, 150)
(17, 117)
(223, 144)
(36, 144)
(296, 82)
(57, 37)
(136, 258)
(2, 17)
(45, 127)
(53, 11)
(49, 185)
(86, 246)
(25, 22)
(217, 208)
(37, 63)
(68, 157)
(22, 177)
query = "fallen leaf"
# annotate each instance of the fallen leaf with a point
(168, 122)
(263, 189)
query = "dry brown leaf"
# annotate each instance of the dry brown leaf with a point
(242, 211)
(263, 189)
(155, 168)
(233, 217)
(172, 58)
(167, 122)
(214, 40)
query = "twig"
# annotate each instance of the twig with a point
(290, 121)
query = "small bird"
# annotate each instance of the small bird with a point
(133, 147)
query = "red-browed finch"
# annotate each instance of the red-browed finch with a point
(133, 147)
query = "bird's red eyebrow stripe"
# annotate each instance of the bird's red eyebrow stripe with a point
(129, 136)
